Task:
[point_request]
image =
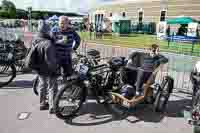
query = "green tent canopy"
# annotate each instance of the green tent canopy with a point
(180, 20)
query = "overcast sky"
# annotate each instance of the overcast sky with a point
(60, 5)
(64, 5)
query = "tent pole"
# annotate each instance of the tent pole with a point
(168, 41)
(192, 47)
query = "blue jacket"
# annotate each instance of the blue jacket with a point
(64, 45)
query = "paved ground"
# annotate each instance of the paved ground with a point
(18, 97)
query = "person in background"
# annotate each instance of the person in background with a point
(64, 40)
(168, 31)
(91, 30)
(45, 65)
(55, 27)
(195, 77)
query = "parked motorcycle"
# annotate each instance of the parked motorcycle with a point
(93, 57)
(100, 80)
(7, 66)
(106, 84)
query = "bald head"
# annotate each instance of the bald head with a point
(63, 23)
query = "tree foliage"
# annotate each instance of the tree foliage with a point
(8, 9)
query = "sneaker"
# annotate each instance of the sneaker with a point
(44, 106)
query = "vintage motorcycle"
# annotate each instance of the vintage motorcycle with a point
(105, 83)
(93, 57)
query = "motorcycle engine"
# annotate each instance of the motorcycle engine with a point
(94, 54)
(128, 91)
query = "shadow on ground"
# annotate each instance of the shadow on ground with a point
(97, 114)
(19, 84)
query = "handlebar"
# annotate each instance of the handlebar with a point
(99, 66)
(77, 54)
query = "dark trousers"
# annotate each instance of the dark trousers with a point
(142, 78)
(135, 77)
(67, 69)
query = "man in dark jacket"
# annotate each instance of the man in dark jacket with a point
(64, 42)
(47, 66)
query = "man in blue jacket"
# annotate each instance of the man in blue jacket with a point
(64, 40)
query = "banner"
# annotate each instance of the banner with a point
(161, 29)
(192, 29)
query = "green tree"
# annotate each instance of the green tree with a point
(21, 14)
(9, 8)
(3, 14)
(35, 15)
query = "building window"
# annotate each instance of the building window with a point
(110, 14)
(101, 18)
(140, 16)
(162, 15)
(124, 14)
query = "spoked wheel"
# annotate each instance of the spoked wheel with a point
(163, 94)
(4, 68)
(196, 107)
(69, 100)
(196, 100)
(6, 76)
(36, 86)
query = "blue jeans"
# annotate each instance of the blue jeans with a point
(48, 87)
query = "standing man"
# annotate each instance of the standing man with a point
(91, 30)
(42, 59)
(64, 40)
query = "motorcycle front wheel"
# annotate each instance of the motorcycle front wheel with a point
(36, 86)
(69, 100)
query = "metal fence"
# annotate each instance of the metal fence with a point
(178, 67)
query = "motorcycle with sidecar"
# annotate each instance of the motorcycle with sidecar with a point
(107, 84)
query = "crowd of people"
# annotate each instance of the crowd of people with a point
(50, 51)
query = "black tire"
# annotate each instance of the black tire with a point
(35, 86)
(196, 129)
(195, 94)
(71, 94)
(196, 99)
(8, 78)
(163, 94)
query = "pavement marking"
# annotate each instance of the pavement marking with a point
(23, 115)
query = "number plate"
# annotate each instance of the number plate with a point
(126, 104)
(81, 68)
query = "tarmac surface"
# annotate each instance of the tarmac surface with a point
(18, 102)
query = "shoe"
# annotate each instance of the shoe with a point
(44, 106)
(51, 111)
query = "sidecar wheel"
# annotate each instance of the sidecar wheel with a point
(160, 102)
(163, 95)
